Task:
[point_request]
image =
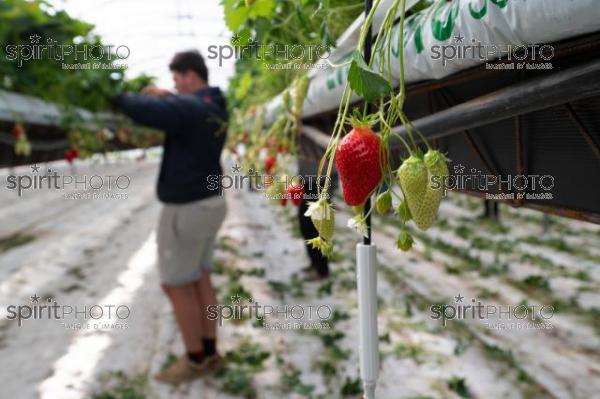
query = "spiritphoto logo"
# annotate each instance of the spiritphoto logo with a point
(496, 186)
(476, 50)
(102, 316)
(499, 317)
(94, 55)
(264, 181)
(94, 187)
(273, 317)
(275, 52)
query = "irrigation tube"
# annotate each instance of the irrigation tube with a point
(366, 276)
(366, 273)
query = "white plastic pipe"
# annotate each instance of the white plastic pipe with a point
(366, 274)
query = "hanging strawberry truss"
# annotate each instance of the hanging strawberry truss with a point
(269, 153)
(362, 157)
(22, 144)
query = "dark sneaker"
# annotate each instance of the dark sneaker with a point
(183, 370)
(210, 364)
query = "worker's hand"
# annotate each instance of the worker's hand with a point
(154, 91)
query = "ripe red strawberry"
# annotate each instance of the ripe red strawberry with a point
(283, 201)
(358, 163)
(17, 131)
(270, 162)
(296, 192)
(72, 153)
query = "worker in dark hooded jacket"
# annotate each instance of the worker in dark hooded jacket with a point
(193, 121)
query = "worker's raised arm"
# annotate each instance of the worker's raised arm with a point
(163, 113)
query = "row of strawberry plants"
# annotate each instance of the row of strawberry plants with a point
(361, 157)
(84, 142)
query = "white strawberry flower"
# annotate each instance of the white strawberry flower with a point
(263, 154)
(313, 210)
(358, 224)
(318, 210)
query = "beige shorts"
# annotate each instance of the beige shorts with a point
(186, 237)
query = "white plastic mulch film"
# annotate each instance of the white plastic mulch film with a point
(436, 39)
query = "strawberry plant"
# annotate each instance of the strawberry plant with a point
(361, 157)
(240, 365)
(22, 144)
(307, 22)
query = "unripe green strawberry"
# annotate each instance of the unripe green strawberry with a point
(259, 121)
(277, 127)
(325, 226)
(437, 165)
(403, 212)
(383, 203)
(404, 241)
(20, 147)
(322, 217)
(412, 175)
(26, 148)
(300, 94)
(286, 98)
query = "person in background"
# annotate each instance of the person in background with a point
(193, 121)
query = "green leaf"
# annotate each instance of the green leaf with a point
(243, 86)
(364, 81)
(300, 15)
(262, 27)
(262, 8)
(235, 16)
(244, 36)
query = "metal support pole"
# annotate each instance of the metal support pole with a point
(366, 275)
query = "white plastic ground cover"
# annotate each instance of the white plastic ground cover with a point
(493, 24)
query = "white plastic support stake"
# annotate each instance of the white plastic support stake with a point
(366, 274)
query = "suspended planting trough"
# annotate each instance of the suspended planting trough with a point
(47, 125)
